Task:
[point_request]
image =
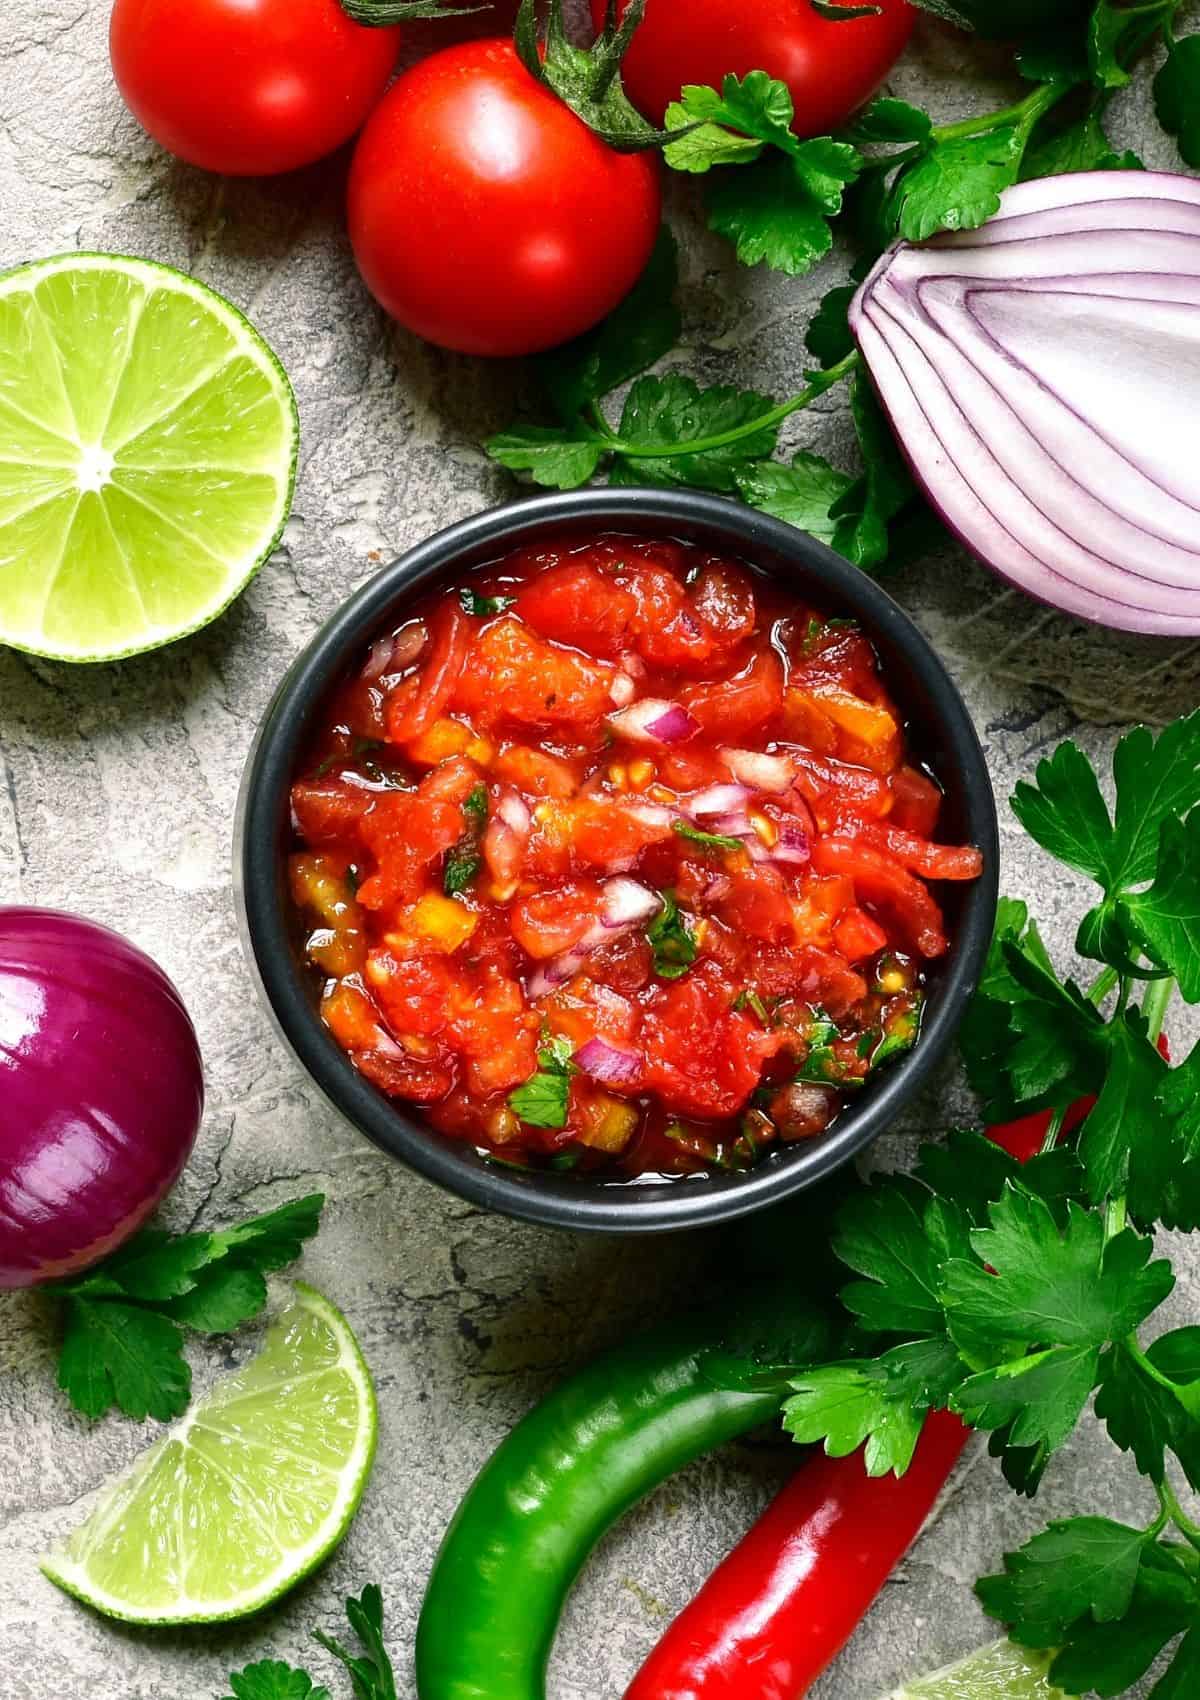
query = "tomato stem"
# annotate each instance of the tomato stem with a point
(817, 386)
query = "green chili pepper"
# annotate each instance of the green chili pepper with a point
(573, 1466)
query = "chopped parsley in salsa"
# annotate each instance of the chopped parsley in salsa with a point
(615, 858)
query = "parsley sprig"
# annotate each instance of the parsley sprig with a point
(1013, 1293)
(782, 201)
(371, 1674)
(124, 1320)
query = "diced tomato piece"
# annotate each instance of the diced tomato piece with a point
(880, 879)
(551, 922)
(758, 903)
(586, 1009)
(668, 630)
(833, 788)
(412, 991)
(821, 978)
(868, 733)
(746, 703)
(328, 811)
(690, 769)
(574, 603)
(857, 936)
(405, 832)
(450, 782)
(511, 674)
(805, 722)
(723, 598)
(413, 1078)
(536, 773)
(917, 801)
(595, 832)
(498, 1034)
(625, 965)
(416, 703)
(699, 1056)
(919, 856)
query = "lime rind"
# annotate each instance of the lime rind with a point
(1002, 1671)
(127, 386)
(259, 1482)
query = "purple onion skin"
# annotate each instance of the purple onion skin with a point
(101, 1092)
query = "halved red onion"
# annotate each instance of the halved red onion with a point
(654, 721)
(761, 772)
(1041, 375)
(611, 1064)
(718, 800)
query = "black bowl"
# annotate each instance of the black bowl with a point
(942, 733)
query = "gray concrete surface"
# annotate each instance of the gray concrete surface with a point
(116, 798)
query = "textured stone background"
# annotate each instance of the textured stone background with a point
(117, 794)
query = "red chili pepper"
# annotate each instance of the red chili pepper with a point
(776, 1613)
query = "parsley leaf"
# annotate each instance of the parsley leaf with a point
(889, 120)
(640, 331)
(1067, 1286)
(1166, 917)
(706, 840)
(371, 1673)
(671, 941)
(829, 338)
(804, 494)
(1087, 1564)
(1146, 1401)
(864, 511)
(543, 1099)
(1177, 96)
(1029, 1040)
(556, 459)
(122, 1342)
(1037, 1399)
(1111, 1657)
(757, 108)
(674, 409)
(1157, 782)
(847, 1404)
(118, 1354)
(956, 184)
(464, 861)
(881, 1235)
(779, 209)
(1079, 145)
(271, 1679)
(1120, 1142)
(483, 606)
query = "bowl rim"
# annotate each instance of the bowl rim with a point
(564, 1201)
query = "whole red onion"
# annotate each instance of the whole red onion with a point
(101, 1092)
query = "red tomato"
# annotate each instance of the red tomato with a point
(486, 217)
(248, 87)
(832, 68)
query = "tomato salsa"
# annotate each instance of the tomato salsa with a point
(612, 857)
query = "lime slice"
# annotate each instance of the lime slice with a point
(255, 1486)
(998, 1672)
(148, 444)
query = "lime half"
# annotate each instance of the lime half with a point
(148, 443)
(255, 1486)
(998, 1672)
